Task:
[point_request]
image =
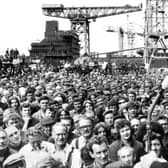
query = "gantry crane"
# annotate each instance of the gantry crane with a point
(156, 30)
(80, 18)
(131, 33)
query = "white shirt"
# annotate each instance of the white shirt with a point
(31, 156)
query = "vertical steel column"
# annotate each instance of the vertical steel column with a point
(81, 27)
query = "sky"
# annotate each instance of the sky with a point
(22, 22)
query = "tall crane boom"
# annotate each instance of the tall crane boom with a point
(80, 18)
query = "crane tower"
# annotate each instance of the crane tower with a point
(80, 18)
(156, 30)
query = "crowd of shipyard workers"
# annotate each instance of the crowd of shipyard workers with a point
(69, 120)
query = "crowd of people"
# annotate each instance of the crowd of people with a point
(67, 119)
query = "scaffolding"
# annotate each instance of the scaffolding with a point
(156, 30)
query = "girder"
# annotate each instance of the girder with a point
(156, 30)
(87, 12)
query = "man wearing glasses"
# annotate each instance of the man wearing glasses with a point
(85, 127)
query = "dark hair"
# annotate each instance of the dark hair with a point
(30, 90)
(67, 114)
(121, 124)
(25, 105)
(68, 118)
(96, 140)
(162, 117)
(85, 156)
(154, 136)
(14, 98)
(99, 125)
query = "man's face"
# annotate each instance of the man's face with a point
(113, 109)
(131, 97)
(85, 127)
(141, 91)
(101, 132)
(132, 112)
(70, 99)
(100, 154)
(156, 146)
(67, 123)
(29, 96)
(145, 110)
(166, 95)
(14, 136)
(93, 99)
(26, 111)
(156, 113)
(14, 122)
(3, 140)
(135, 124)
(125, 133)
(44, 104)
(108, 118)
(50, 92)
(14, 103)
(164, 124)
(127, 156)
(77, 105)
(60, 135)
(49, 113)
(88, 107)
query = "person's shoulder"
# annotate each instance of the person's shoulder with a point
(26, 148)
(36, 114)
(115, 144)
(74, 142)
(117, 164)
(90, 166)
(138, 143)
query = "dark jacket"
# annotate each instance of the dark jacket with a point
(93, 165)
(4, 154)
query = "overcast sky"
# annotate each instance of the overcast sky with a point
(22, 22)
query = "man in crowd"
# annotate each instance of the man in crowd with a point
(85, 127)
(43, 102)
(99, 151)
(15, 139)
(60, 135)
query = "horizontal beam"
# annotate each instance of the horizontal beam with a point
(82, 13)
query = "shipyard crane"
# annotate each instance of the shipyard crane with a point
(156, 31)
(131, 33)
(80, 17)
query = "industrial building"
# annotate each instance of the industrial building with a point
(57, 45)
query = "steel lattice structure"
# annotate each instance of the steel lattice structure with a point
(156, 30)
(80, 18)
